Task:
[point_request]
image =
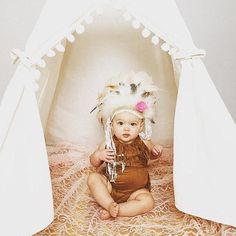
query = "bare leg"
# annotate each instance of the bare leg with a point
(139, 202)
(101, 189)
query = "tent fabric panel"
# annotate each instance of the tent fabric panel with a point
(11, 99)
(8, 106)
(24, 173)
(204, 148)
(47, 86)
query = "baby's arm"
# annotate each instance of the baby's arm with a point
(155, 150)
(101, 154)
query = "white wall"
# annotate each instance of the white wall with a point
(17, 18)
(213, 27)
(212, 24)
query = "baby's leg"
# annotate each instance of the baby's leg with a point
(101, 189)
(139, 202)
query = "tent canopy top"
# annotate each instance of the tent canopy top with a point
(72, 16)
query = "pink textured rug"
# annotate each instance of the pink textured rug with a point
(76, 212)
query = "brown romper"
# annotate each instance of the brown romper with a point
(135, 175)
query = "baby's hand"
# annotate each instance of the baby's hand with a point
(107, 155)
(157, 150)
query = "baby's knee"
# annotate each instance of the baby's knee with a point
(149, 202)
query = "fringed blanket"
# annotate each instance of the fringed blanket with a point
(77, 214)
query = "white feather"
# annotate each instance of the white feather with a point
(117, 94)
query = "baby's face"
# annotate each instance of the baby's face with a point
(126, 126)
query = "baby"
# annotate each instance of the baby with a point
(128, 193)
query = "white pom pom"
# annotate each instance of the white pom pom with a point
(51, 53)
(165, 47)
(135, 24)
(60, 48)
(99, 11)
(70, 38)
(155, 40)
(146, 33)
(89, 19)
(41, 63)
(127, 16)
(80, 29)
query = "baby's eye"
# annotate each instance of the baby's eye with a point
(120, 123)
(133, 124)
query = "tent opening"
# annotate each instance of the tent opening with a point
(71, 81)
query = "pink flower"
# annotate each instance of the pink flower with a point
(141, 106)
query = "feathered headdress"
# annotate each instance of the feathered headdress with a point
(133, 92)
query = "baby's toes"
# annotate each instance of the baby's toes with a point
(104, 214)
(114, 209)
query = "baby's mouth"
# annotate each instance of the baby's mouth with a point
(126, 135)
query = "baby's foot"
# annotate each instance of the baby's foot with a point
(104, 214)
(114, 209)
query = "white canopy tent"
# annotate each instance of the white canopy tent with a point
(45, 102)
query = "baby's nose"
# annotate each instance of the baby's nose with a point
(126, 127)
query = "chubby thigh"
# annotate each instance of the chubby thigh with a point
(95, 178)
(107, 183)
